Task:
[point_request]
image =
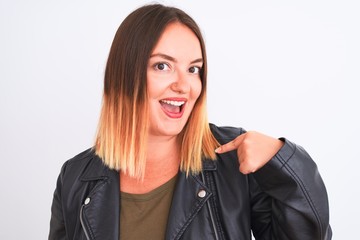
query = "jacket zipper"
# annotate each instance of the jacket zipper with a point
(210, 211)
(82, 222)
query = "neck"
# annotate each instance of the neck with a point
(161, 148)
(162, 164)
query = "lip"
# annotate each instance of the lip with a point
(171, 114)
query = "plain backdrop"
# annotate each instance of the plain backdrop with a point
(285, 68)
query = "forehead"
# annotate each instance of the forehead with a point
(178, 41)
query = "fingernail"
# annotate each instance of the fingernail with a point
(217, 150)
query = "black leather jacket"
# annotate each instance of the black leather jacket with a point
(285, 199)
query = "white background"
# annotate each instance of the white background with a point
(285, 68)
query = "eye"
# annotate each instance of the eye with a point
(162, 67)
(194, 70)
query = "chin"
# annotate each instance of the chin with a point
(167, 130)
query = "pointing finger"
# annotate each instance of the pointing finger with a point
(232, 145)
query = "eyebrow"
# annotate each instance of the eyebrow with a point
(170, 58)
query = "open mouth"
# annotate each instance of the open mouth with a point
(173, 108)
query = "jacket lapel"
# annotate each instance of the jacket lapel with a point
(189, 198)
(100, 210)
(103, 202)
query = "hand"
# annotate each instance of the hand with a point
(254, 150)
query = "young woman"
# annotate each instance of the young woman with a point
(159, 170)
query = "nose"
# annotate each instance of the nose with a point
(181, 83)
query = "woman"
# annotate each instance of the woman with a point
(159, 170)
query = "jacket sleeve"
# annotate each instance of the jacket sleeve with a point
(57, 225)
(289, 199)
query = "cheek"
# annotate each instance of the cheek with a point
(196, 89)
(154, 88)
(150, 86)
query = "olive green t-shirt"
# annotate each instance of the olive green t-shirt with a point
(144, 216)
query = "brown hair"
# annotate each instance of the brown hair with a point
(123, 126)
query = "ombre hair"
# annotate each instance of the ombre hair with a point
(121, 140)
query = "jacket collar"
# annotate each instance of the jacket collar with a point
(209, 165)
(95, 170)
(101, 209)
(105, 201)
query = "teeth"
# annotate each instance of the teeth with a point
(174, 103)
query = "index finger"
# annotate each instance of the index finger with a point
(232, 145)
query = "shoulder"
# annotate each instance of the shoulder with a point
(80, 160)
(81, 166)
(225, 134)
(226, 162)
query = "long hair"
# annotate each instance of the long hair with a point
(123, 126)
